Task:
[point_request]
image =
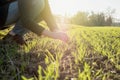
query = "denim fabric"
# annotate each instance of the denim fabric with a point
(13, 13)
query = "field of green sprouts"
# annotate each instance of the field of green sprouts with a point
(93, 53)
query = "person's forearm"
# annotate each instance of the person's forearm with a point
(48, 17)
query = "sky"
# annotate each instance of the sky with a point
(70, 7)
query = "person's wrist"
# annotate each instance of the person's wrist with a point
(54, 29)
(48, 33)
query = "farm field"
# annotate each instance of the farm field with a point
(93, 53)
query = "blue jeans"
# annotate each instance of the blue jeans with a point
(14, 15)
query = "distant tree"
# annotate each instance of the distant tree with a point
(109, 21)
(109, 16)
(93, 19)
(101, 19)
(81, 18)
(109, 12)
(97, 19)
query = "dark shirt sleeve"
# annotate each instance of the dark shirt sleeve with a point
(27, 21)
(48, 17)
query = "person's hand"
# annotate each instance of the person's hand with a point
(56, 35)
(61, 36)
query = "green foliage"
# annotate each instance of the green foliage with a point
(23, 78)
(86, 74)
(93, 53)
(92, 19)
(81, 18)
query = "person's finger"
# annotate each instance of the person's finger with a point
(65, 38)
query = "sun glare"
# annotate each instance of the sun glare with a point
(63, 7)
(70, 7)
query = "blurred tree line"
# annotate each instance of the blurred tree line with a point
(93, 19)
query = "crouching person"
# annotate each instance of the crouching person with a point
(26, 14)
